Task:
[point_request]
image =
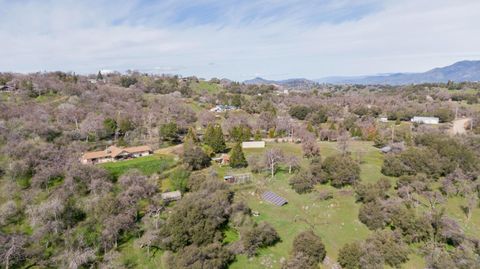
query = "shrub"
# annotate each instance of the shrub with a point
(349, 256)
(261, 235)
(341, 170)
(299, 112)
(310, 245)
(302, 182)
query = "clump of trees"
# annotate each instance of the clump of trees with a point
(194, 157)
(341, 170)
(303, 181)
(380, 249)
(308, 251)
(259, 236)
(214, 138)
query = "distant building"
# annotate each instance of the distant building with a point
(171, 196)
(425, 120)
(222, 108)
(253, 145)
(113, 153)
(383, 119)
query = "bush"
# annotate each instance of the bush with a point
(416, 160)
(310, 245)
(341, 170)
(302, 182)
(261, 235)
(179, 179)
(194, 157)
(372, 215)
(349, 256)
(127, 81)
(214, 256)
(299, 112)
(169, 132)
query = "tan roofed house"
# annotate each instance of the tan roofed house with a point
(114, 153)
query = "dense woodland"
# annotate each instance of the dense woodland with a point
(58, 213)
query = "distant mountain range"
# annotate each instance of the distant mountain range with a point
(288, 83)
(458, 72)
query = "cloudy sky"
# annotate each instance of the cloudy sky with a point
(275, 39)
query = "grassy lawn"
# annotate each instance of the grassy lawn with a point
(132, 256)
(335, 220)
(205, 86)
(147, 165)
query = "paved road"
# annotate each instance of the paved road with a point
(460, 125)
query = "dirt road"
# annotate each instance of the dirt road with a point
(460, 126)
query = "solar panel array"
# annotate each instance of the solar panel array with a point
(274, 198)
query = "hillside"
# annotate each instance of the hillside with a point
(128, 171)
(296, 83)
(458, 72)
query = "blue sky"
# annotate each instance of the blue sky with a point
(238, 39)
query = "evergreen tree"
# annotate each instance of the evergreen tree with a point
(99, 76)
(237, 158)
(240, 133)
(191, 135)
(169, 132)
(214, 138)
(110, 125)
(258, 136)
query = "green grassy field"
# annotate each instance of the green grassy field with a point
(335, 220)
(147, 165)
(205, 86)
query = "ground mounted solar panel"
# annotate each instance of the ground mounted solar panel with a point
(274, 198)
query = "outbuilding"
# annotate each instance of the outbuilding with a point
(171, 196)
(253, 145)
(425, 120)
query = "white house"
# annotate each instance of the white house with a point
(222, 108)
(253, 145)
(383, 119)
(425, 120)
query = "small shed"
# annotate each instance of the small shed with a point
(253, 145)
(274, 198)
(224, 159)
(229, 179)
(171, 196)
(425, 120)
(238, 178)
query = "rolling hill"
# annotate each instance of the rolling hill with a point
(458, 72)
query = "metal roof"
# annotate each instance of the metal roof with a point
(274, 198)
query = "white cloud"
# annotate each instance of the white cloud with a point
(247, 39)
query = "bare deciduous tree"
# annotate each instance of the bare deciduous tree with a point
(273, 157)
